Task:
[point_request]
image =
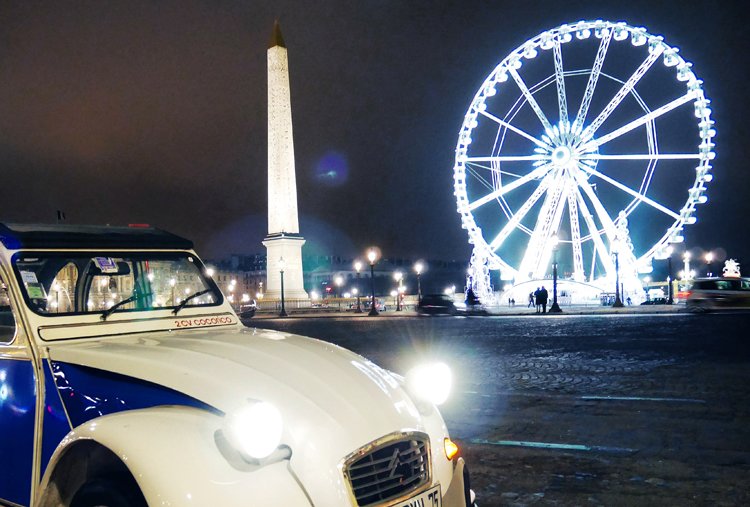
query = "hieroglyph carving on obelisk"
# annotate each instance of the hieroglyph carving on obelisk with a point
(284, 242)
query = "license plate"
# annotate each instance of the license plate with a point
(429, 498)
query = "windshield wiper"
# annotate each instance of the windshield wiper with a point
(191, 296)
(134, 297)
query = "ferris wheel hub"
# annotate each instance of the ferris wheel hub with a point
(562, 156)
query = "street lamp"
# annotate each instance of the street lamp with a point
(686, 267)
(372, 256)
(670, 298)
(618, 301)
(398, 276)
(709, 260)
(358, 268)
(282, 313)
(555, 308)
(339, 281)
(418, 268)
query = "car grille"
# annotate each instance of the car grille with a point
(389, 470)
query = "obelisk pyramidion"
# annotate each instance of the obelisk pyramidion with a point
(284, 242)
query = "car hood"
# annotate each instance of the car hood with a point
(332, 401)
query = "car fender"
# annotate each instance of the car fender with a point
(178, 457)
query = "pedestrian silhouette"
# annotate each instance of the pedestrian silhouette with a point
(542, 299)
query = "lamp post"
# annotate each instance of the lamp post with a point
(555, 308)
(709, 259)
(418, 268)
(398, 276)
(372, 256)
(358, 268)
(618, 301)
(670, 298)
(339, 281)
(282, 313)
(686, 265)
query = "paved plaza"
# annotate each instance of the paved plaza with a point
(601, 409)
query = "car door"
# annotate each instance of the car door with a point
(17, 406)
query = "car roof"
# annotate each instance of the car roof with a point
(17, 236)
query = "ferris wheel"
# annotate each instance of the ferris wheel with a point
(589, 139)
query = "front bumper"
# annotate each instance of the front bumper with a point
(459, 493)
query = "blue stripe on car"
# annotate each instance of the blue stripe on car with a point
(89, 393)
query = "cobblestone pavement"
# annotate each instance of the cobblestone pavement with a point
(581, 410)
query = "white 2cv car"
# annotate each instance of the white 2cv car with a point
(126, 379)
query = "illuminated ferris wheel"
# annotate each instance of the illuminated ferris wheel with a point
(589, 139)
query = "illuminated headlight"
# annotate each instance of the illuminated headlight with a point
(255, 429)
(430, 383)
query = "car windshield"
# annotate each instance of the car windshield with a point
(78, 283)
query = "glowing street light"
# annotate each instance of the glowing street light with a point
(282, 313)
(418, 268)
(358, 268)
(398, 276)
(339, 281)
(616, 252)
(709, 259)
(686, 265)
(670, 297)
(372, 257)
(555, 308)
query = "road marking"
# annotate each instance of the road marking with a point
(587, 397)
(554, 446)
(641, 398)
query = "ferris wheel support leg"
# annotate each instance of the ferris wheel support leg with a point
(478, 278)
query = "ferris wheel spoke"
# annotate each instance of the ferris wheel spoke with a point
(622, 93)
(530, 99)
(473, 166)
(593, 78)
(562, 100)
(630, 191)
(536, 173)
(601, 212)
(481, 179)
(595, 235)
(508, 158)
(539, 249)
(643, 156)
(575, 233)
(642, 120)
(515, 221)
(514, 129)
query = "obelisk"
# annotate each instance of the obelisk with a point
(284, 242)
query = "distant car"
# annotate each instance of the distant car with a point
(436, 304)
(655, 301)
(706, 294)
(247, 310)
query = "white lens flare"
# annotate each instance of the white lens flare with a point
(430, 382)
(256, 429)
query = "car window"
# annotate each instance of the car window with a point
(727, 284)
(7, 320)
(745, 284)
(79, 282)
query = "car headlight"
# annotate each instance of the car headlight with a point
(255, 429)
(430, 383)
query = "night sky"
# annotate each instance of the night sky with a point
(155, 112)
